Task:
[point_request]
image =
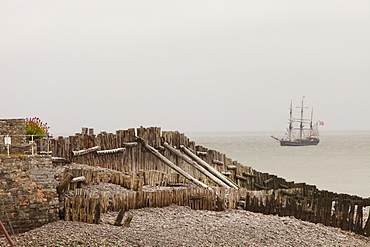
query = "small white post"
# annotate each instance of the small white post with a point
(32, 143)
(8, 142)
(48, 145)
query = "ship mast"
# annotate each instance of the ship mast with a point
(301, 124)
(291, 122)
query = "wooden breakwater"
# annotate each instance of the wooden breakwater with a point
(304, 202)
(130, 156)
(258, 192)
(87, 206)
(310, 204)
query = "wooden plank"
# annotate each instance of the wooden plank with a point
(231, 167)
(170, 164)
(59, 160)
(195, 165)
(111, 151)
(78, 179)
(129, 144)
(85, 151)
(208, 167)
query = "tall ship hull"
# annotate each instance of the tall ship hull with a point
(301, 131)
(304, 142)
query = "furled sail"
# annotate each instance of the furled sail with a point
(315, 130)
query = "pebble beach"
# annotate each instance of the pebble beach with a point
(182, 226)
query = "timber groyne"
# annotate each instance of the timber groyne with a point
(149, 156)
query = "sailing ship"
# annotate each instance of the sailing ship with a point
(298, 134)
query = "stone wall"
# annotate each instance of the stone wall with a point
(28, 197)
(16, 129)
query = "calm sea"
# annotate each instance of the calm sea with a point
(339, 163)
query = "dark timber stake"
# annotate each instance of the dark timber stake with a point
(119, 218)
(97, 212)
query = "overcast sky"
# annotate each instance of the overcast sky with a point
(185, 65)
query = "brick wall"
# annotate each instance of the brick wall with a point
(28, 197)
(16, 128)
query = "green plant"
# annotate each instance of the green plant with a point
(35, 126)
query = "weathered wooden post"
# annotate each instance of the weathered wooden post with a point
(91, 210)
(359, 218)
(64, 183)
(67, 209)
(119, 218)
(128, 220)
(97, 211)
(346, 204)
(351, 216)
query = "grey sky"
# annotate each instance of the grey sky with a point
(185, 65)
